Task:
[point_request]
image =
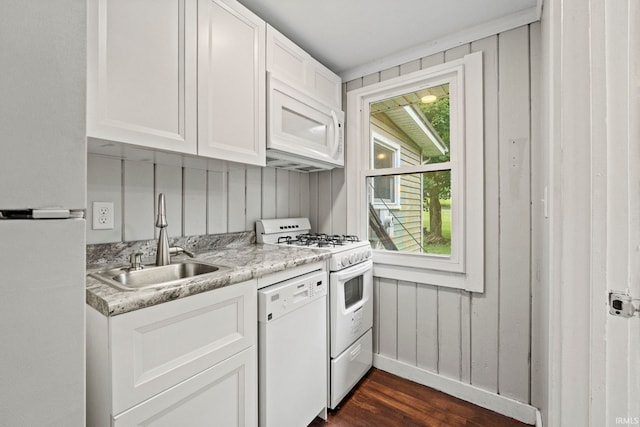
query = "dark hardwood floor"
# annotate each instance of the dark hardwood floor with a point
(383, 399)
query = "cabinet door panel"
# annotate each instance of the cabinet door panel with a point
(231, 83)
(142, 73)
(224, 395)
(155, 348)
(327, 86)
(291, 64)
(286, 60)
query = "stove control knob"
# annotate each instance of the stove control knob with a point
(352, 259)
(345, 261)
(368, 253)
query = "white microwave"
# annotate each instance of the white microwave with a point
(303, 133)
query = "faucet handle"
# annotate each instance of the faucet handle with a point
(136, 261)
(161, 218)
(177, 250)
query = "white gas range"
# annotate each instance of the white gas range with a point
(350, 297)
(346, 250)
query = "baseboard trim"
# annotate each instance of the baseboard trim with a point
(486, 399)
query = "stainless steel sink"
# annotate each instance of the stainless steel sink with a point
(152, 276)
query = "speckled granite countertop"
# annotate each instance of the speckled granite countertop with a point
(246, 261)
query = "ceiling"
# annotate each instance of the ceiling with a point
(356, 37)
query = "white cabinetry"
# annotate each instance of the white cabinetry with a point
(180, 75)
(192, 360)
(292, 65)
(141, 73)
(231, 82)
(209, 398)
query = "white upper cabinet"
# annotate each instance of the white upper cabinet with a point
(142, 73)
(231, 82)
(292, 65)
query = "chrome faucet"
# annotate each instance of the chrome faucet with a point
(164, 252)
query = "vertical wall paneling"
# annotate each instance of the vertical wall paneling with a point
(324, 202)
(195, 201)
(465, 337)
(539, 232)
(431, 60)
(313, 201)
(389, 73)
(407, 323)
(482, 339)
(282, 193)
(104, 184)
(168, 180)
(427, 327)
(338, 201)
(294, 194)
(513, 363)
(388, 318)
(304, 195)
(354, 84)
(236, 213)
(410, 67)
(449, 335)
(465, 297)
(228, 197)
(217, 202)
(268, 193)
(370, 79)
(138, 217)
(253, 197)
(376, 315)
(484, 308)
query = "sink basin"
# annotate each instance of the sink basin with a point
(152, 276)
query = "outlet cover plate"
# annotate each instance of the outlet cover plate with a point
(102, 215)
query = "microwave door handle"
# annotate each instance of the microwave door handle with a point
(336, 135)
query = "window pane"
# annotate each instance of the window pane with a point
(382, 157)
(420, 121)
(419, 221)
(383, 189)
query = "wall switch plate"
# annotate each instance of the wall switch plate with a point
(103, 215)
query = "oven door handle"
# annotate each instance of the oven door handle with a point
(353, 271)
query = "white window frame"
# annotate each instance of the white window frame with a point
(464, 269)
(377, 137)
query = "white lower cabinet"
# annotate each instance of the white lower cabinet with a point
(223, 395)
(192, 359)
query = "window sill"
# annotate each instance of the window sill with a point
(444, 279)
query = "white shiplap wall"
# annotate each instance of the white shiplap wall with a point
(482, 340)
(228, 199)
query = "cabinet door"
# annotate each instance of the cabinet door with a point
(142, 73)
(156, 348)
(231, 82)
(291, 64)
(285, 60)
(224, 395)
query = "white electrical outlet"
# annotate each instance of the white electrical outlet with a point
(103, 215)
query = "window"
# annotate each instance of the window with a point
(385, 189)
(418, 147)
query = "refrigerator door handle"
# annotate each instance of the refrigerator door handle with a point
(41, 214)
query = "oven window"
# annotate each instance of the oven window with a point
(353, 291)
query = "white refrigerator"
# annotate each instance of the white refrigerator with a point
(42, 174)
